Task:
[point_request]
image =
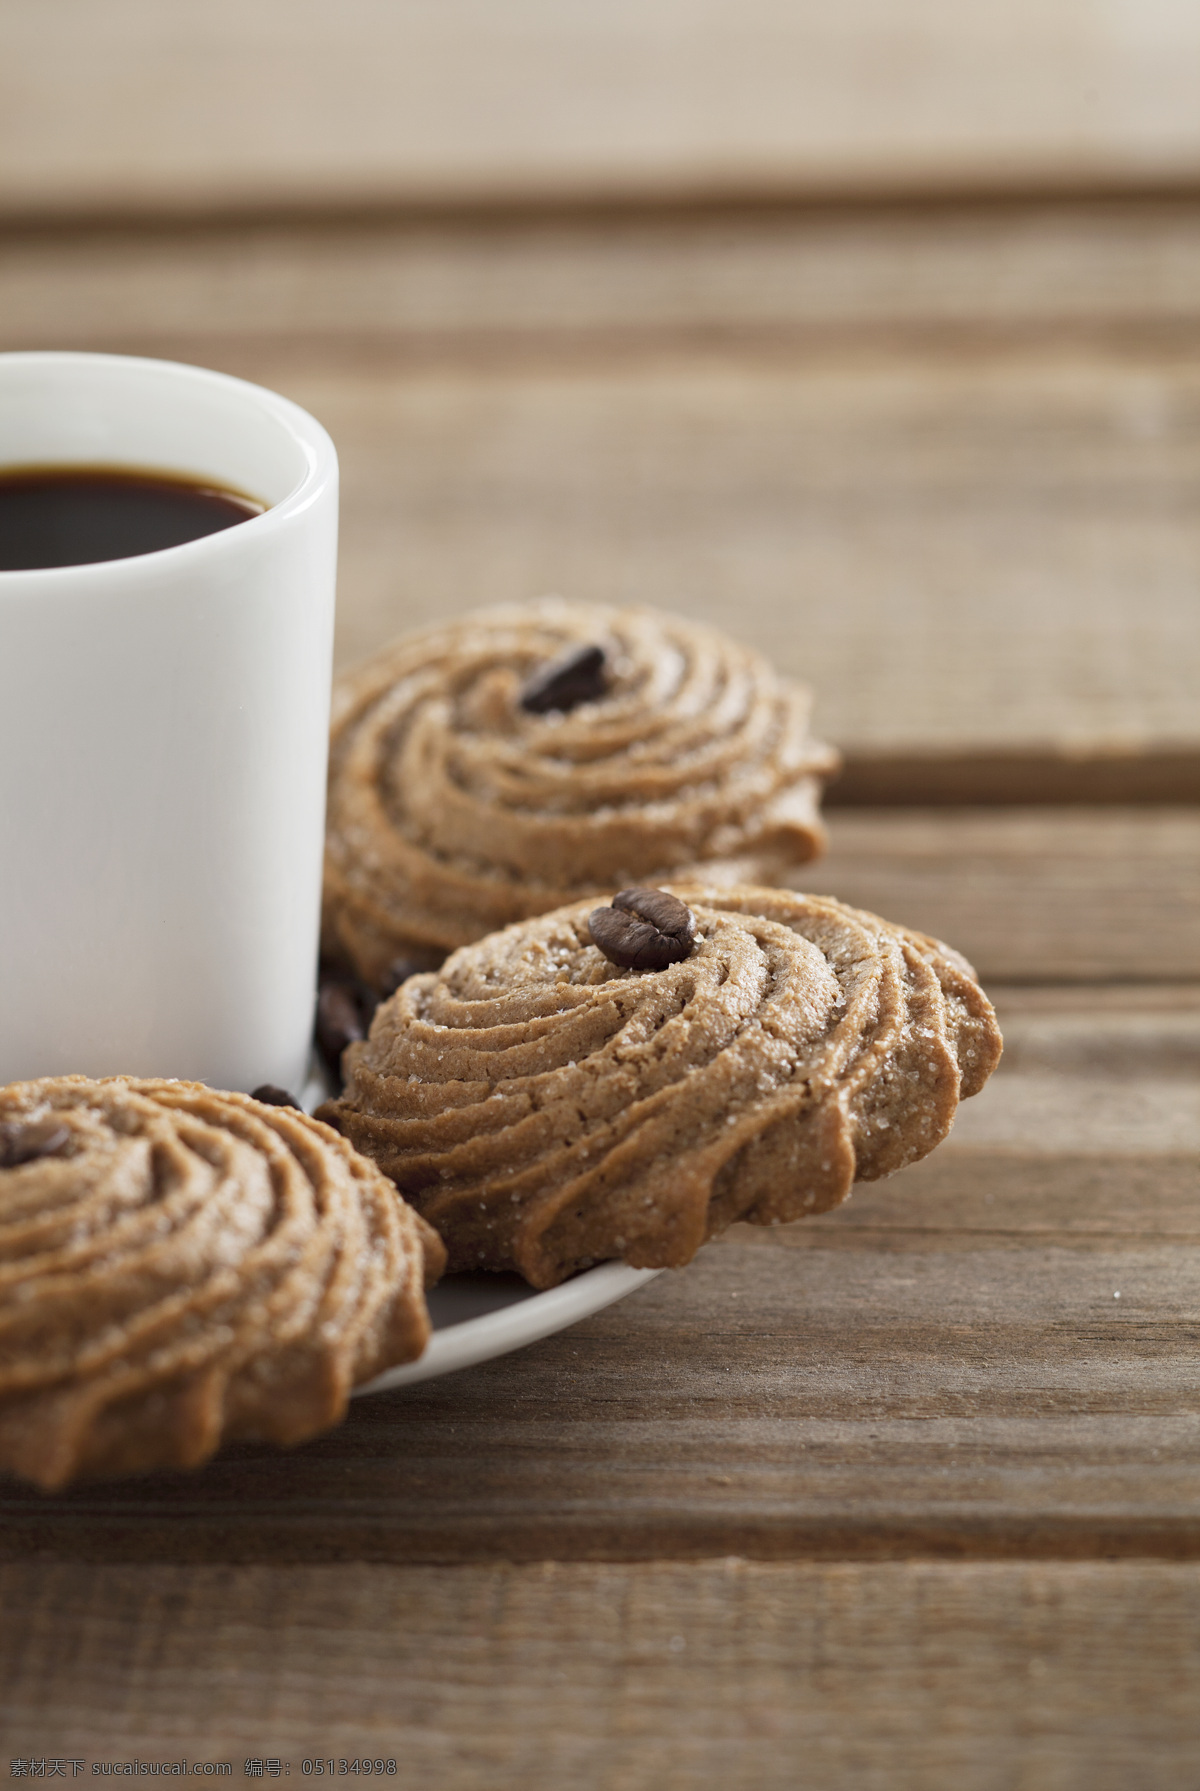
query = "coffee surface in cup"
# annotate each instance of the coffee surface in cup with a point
(78, 515)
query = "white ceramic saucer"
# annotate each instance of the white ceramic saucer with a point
(478, 1316)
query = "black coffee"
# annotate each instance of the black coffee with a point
(76, 515)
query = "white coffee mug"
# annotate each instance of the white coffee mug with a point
(163, 738)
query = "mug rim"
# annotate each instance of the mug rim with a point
(311, 436)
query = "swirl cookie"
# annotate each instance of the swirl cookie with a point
(547, 1108)
(179, 1268)
(525, 757)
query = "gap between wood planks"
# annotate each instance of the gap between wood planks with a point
(1047, 776)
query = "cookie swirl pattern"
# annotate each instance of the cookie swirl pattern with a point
(454, 809)
(181, 1267)
(546, 1110)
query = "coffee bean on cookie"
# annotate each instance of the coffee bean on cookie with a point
(645, 929)
(271, 1096)
(27, 1141)
(453, 809)
(580, 676)
(802, 1046)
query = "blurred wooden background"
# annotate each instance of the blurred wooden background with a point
(288, 102)
(871, 332)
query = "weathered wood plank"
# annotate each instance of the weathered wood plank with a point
(571, 285)
(953, 554)
(991, 1355)
(916, 1676)
(225, 105)
(1038, 894)
(952, 557)
(980, 548)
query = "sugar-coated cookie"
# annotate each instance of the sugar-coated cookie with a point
(547, 1109)
(524, 757)
(181, 1267)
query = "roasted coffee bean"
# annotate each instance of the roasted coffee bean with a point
(580, 676)
(346, 1004)
(24, 1141)
(645, 929)
(275, 1097)
(344, 1009)
(666, 912)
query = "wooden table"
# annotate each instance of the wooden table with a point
(908, 1495)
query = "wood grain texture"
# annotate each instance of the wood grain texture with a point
(944, 461)
(989, 1356)
(139, 104)
(1038, 894)
(984, 553)
(945, 467)
(348, 287)
(915, 1676)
